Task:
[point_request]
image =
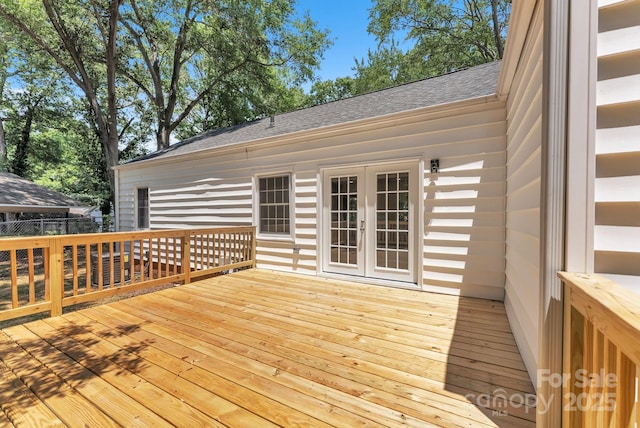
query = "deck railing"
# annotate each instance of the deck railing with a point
(601, 354)
(43, 274)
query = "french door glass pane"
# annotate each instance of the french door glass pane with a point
(344, 224)
(392, 215)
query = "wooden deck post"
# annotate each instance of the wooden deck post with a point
(56, 275)
(185, 262)
(253, 247)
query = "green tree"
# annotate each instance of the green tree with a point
(137, 62)
(383, 68)
(5, 73)
(447, 35)
(331, 90)
(213, 57)
(67, 157)
(81, 39)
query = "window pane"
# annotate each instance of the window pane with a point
(343, 203)
(403, 260)
(403, 240)
(343, 255)
(403, 182)
(352, 238)
(392, 182)
(353, 256)
(274, 204)
(392, 259)
(143, 208)
(353, 202)
(404, 201)
(343, 184)
(392, 224)
(393, 201)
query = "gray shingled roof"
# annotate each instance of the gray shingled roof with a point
(470, 83)
(18, 192)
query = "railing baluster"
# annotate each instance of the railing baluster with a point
(112, 271)
(166, 256)
(87, 257)
(124, 258)
(74, 262)
(47, 274)
(14, 278)
(175, 256)
(625, 392)
(100, 267)
(32, 283)
(158, 267)
(609, 390)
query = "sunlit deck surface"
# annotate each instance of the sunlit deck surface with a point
(259, 348)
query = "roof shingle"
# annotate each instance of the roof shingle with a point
(461, 85)
(17, 191)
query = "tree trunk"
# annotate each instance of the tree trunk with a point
(162, 137)
(496, 28)
(3, 148)
(19, 164)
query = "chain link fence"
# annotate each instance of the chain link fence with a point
(52, 226)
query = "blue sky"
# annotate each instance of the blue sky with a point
(347, 21)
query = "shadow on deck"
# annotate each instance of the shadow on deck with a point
(258, 348)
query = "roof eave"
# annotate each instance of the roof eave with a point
(336, 129)
(35, 208)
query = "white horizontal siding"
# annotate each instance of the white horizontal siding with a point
(617, 183)
(617, 238)
(464, 218)
(463, 203)
(524, 142)
(622, 139)
(619, 90)
(615, 42)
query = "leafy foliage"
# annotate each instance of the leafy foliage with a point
(139, 67)
(218, 58)
(444, 35)
(448, 35)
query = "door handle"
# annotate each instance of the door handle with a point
(362, 225)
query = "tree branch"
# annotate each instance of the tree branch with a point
(204, 93)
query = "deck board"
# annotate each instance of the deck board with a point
(260, 348)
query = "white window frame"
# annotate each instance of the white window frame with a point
(274, 236)
(137, 209)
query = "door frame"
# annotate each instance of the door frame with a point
(415, 166)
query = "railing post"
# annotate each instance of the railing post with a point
(186, 257)
(253, 247)
(573, 361)
(56, 275)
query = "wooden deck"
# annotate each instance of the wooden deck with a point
(258, 348)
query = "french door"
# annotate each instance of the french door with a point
(370, 221)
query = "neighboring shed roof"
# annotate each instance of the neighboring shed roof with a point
(461, 85)
(20, 195)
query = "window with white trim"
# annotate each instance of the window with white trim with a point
(142, 208)
(273, 205)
